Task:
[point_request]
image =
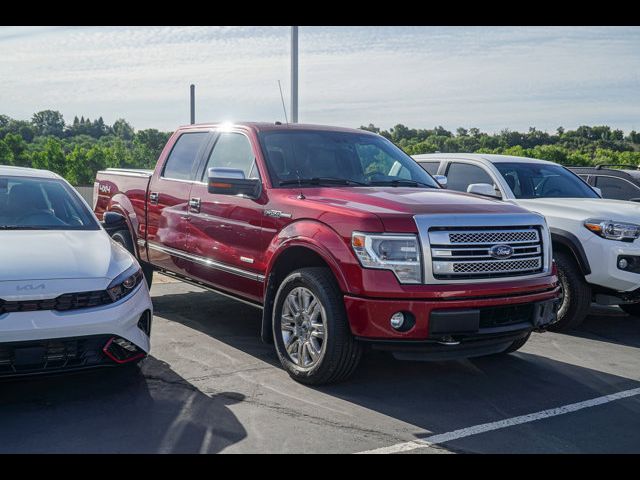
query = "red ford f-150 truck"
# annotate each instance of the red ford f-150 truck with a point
(342, 240)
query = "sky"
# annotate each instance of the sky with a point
(486, 77)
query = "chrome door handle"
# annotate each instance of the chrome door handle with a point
(154, 197)
(194, 205)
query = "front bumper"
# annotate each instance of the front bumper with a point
(603, 260)
(461, 319)
(43, 341)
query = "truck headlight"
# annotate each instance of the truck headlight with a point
(125, 283)
(612, 230)
(399, 253)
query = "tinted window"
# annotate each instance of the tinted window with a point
(430, 167)
(233, 150)
(343, 156)
(184, 156)
(617, 188)
(461, 175)
(537, 180)
(42, 204)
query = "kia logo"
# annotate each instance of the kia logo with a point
(30, 287)
(501, 252)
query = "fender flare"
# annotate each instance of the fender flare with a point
(315, 244)
(570, 241)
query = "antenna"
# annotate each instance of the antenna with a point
(283, 107)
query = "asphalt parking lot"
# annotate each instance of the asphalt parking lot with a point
(211, 386)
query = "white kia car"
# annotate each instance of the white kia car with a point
(70, 297)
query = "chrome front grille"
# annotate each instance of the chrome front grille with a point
(462, 253)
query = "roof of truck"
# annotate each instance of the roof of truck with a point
(26, 172)
(270, 126)
(483, 157)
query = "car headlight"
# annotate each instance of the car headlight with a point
(612, 230)
(125, 283)
(399, 253)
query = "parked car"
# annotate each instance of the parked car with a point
(70, 297)
(309, 224)
(618, 182)
(594, 240)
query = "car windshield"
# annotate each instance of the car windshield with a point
(317, 157)
(42, 204)
(537, 180)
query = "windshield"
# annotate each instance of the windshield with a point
(316, 157)
(536, 180)
(42, 204)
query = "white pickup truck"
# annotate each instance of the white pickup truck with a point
(594, 239)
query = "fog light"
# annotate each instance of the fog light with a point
(397, 320)
(623, 263)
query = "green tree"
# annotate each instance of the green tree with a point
(48, 122)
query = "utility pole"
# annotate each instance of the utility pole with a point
(193, 104)
(294, 74)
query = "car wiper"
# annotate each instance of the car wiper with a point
(320, 181)
(401, 182)
(19, 227)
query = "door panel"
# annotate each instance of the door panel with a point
(168, 197)
(225, 231)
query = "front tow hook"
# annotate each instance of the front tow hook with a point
(448, 341)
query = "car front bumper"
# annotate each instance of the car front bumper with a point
(454, 321)
(46, 341)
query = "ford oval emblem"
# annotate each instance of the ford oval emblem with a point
(501, 252)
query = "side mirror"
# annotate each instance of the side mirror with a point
(483, 189)
(231, 181)
(112, 222)
(598, 191)
(442, 180)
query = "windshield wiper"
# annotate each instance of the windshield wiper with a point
(320, 181)
(401, 182)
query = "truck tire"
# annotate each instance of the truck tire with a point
(632, 309)
(517, 344)
(123, 237)
(576, 293)
(310, 328)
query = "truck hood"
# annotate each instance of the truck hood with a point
(581, 209)
(34, 263)
(391, 201)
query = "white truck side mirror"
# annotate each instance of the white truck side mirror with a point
(483, 189)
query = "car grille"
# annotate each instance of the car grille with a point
(68, 301)
(467, 253)
(52, 355)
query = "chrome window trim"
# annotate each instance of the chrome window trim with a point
(428, 221)
(207, 262)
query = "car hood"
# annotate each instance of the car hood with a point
(581, 209)
(38, 263)
(406, 201)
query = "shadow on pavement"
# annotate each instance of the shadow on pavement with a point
(434, 396)
(145, 409)
(609, 324)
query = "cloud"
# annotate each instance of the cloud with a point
(489, 77)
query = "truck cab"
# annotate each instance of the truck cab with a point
(341, 239)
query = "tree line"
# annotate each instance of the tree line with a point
(586, 145)
(77, 150)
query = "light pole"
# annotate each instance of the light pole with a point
(193, 103)
(294, 74)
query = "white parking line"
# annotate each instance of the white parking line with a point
(509, 422)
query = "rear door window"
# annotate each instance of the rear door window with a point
(461, 175)
(183, 159)
(430, 167)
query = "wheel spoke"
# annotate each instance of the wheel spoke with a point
(300, 353)
(312, 350)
